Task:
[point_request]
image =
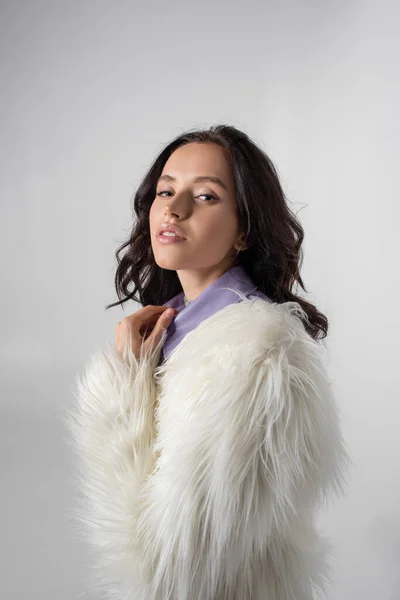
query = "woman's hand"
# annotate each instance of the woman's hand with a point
(144, 327)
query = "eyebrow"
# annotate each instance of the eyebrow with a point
(197, 179)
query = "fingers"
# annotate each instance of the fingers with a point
(145, 315)
(148, 313)
(163, 323)
(144, 327)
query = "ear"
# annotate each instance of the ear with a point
(240, 244)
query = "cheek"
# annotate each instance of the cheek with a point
(152, 217)
(219, 230)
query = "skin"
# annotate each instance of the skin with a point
(206, 213)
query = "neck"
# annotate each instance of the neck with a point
(195, 281)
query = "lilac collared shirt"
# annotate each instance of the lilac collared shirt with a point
(231, 287)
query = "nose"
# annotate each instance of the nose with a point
(178, 206)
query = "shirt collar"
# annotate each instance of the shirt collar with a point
(233, 286)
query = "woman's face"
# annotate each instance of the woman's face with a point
(205, 211)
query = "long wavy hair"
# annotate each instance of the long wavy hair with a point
(274, 236)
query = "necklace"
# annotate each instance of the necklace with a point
(186, 301)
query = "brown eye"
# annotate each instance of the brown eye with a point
(209, 196)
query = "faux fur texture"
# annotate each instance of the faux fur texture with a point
(201, 478)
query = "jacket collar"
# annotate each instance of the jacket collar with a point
(231, 287)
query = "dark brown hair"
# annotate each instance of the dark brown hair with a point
(274, 235)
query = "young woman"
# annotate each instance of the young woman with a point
(208, 436)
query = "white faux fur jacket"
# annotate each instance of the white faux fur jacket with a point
(200, 478)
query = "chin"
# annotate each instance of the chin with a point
(169, 264)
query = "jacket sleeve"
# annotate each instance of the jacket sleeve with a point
(111, 429)
(250, 446)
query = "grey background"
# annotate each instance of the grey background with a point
(90, 93)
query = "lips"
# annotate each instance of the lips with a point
(173, 229)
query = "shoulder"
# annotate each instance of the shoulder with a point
(245, 334)
(261, 317)
(253, 364)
